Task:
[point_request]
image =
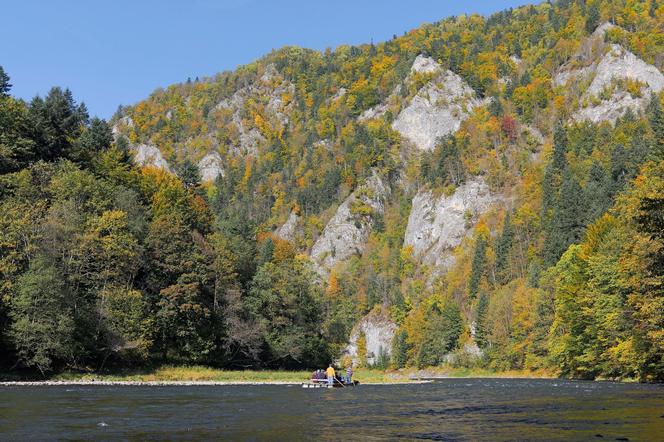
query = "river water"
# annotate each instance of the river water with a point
(449, 410)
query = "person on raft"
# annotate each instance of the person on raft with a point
(331, 374)
(349, 374)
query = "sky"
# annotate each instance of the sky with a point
(117, 52)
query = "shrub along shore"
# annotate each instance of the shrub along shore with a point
(193, 375)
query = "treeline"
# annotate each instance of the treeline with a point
(103, 264)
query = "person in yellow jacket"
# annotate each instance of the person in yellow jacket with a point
(330, 375)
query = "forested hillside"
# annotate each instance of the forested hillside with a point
(481, 191)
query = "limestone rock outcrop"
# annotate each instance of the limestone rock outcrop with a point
(347, 232)
(289, 230)
(378, 330)
(611, 66)
(438, 108)
(437, 225)
(149, 155)
(210, 167)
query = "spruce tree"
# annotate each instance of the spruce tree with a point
(188, 172)
(477, 270)
(568, 221)
(5, 86)
(551, 189)
(400, 350)
(597, 192)
(656, 117)
(480, 320)
(593, 18)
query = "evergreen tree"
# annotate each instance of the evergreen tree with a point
(554, 171)
(656, 116)
(593, 17)
(478, 266)
(188, 172)
(481, 326)
(400, 348)
(95, 138)
(5, 86)
(568, 221)
(57, 122)
(597, 192)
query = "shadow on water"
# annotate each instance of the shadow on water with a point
(450, 410)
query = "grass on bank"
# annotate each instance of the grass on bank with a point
(364, 375)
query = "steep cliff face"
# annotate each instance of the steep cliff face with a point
(378, 330)
(438, 108)
(619, 80)
(437, 225)
(347, 232)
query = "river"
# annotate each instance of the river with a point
(449, 410)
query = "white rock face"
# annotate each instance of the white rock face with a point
(621, 63)
(210, 167)
(288, 230)
(437, 225)
(378, 329)
(149, 155)
(437, 109)
(616, 64)
(347, 232)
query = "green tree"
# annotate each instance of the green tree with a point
(58, 121)
(188, 172)
(17, 147)
(592, 20)
(43, 321)
(400, 349)
(442, 335)
(286, 304)
(568, 336)
(568, 221)
(481, 326)
(656, 116)
(93, 139)
(597, 192)
(478, 266)
(5, 86)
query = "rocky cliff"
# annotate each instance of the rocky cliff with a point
(347, 232)
(438, 108)
(619, 80)
(438, 224)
